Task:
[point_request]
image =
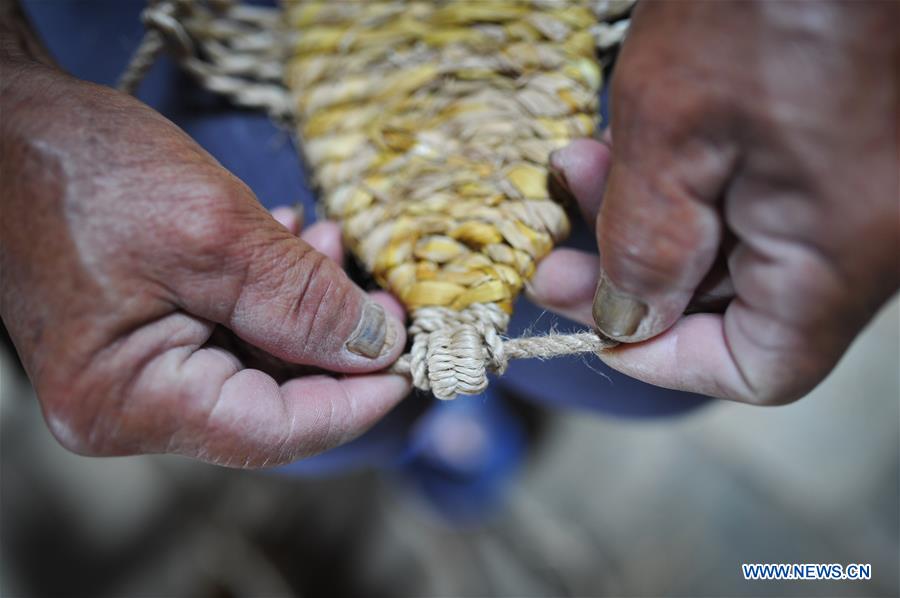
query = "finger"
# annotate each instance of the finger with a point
(789, 324)
(581, 169)
(389, 303)
(564, 282)
(715, 291)
(656, 244)
(279, 294)
(740, 356)
(325, 237)
(199, 401)
(693, 355)
(289, 217)
(659, 228)
(252, 357)
(254, 422)
(606, 137)
(187, 397)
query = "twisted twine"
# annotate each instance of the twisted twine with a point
(230, 49)
(453, 351)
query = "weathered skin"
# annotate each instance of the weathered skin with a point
(125, 246)
(764, 133)
(753, 158)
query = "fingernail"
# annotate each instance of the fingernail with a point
(616, 314)
(392, 334)
(556, 170)
(369, 337)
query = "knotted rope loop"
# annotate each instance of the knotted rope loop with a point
(453, 351)
(163, 17)
(428, 131)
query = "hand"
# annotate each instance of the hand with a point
(753, 164)
(128, 252)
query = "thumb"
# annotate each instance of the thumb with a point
(658, 227)
(277, 293)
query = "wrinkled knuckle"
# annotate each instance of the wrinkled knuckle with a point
(319, 289)
(203, 235)
(312, 267)
(213, 220)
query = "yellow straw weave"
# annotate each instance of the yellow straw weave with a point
(427, 127)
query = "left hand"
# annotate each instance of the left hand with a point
(157, 307)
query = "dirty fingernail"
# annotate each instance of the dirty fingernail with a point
(369, 337)
(617, 314)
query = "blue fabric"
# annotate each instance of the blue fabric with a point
(94, 40)
(463, 454)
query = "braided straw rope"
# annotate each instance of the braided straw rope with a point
(453, 351)
(427, 127)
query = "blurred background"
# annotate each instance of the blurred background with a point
(565, 480)
(603, 506)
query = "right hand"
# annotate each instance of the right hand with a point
(753, 161)
(125, 246)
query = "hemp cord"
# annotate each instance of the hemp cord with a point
(231, 49)
(453, 351)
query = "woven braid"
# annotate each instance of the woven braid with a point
(453, 350)
(427, 127)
